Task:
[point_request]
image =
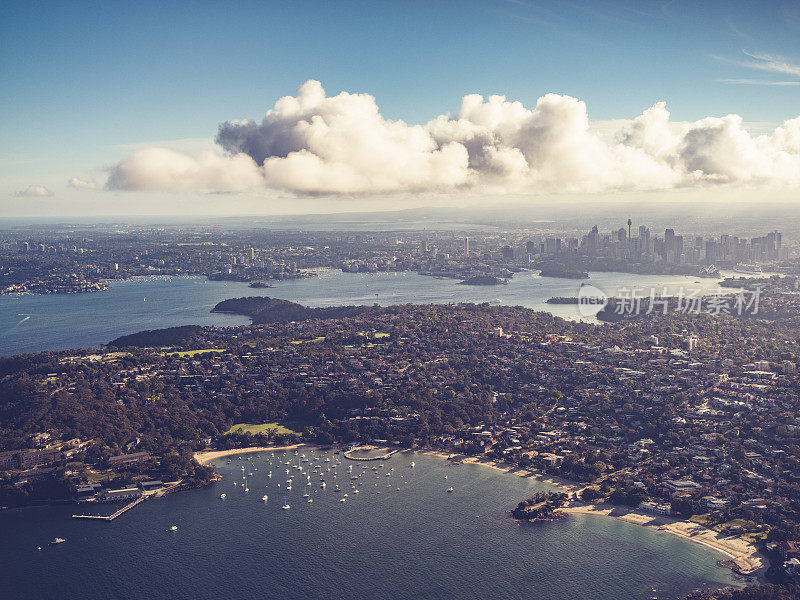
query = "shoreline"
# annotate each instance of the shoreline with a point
(561, 484)
(206, 456)
(743, 556)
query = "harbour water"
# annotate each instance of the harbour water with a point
(32, 323)
(412, 541)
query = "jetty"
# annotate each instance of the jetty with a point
(113, 516)
(348, 455)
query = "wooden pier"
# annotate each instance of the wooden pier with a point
(113, 516)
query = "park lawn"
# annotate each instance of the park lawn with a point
(274, 428)
(190, 353)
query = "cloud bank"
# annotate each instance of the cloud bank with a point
(312, 143)
(34, 191)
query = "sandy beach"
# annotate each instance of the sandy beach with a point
(744, 555)
(209, 455)
(557, 482)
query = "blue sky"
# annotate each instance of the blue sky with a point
(84, 81)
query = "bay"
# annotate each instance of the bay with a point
(33, 323)
(415, 542)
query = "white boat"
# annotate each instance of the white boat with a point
(264, 497)
(223, 496)
(449, 490)
(412, 464)
(174, 528)
(310, 500)
(343, 500)
(58, 541)
(286, 507)
(322, 485)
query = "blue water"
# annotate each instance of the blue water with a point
(31, 323)
(418, 542)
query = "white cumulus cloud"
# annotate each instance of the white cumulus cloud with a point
(34, 191)
(313, 143)
(81, 184)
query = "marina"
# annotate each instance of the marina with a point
(262, 544)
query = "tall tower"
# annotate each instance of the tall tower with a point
(466, 247)
(629, 229)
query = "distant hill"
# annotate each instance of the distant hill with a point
(272, 310)
(157, 337)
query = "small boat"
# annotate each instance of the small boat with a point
(39, 548)
(343, 500)
(310, 500)
(449, 490)
(58, 541)
(174, 528)
(286, 507)
(412, 464)
(264, 497)
(223, 496)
